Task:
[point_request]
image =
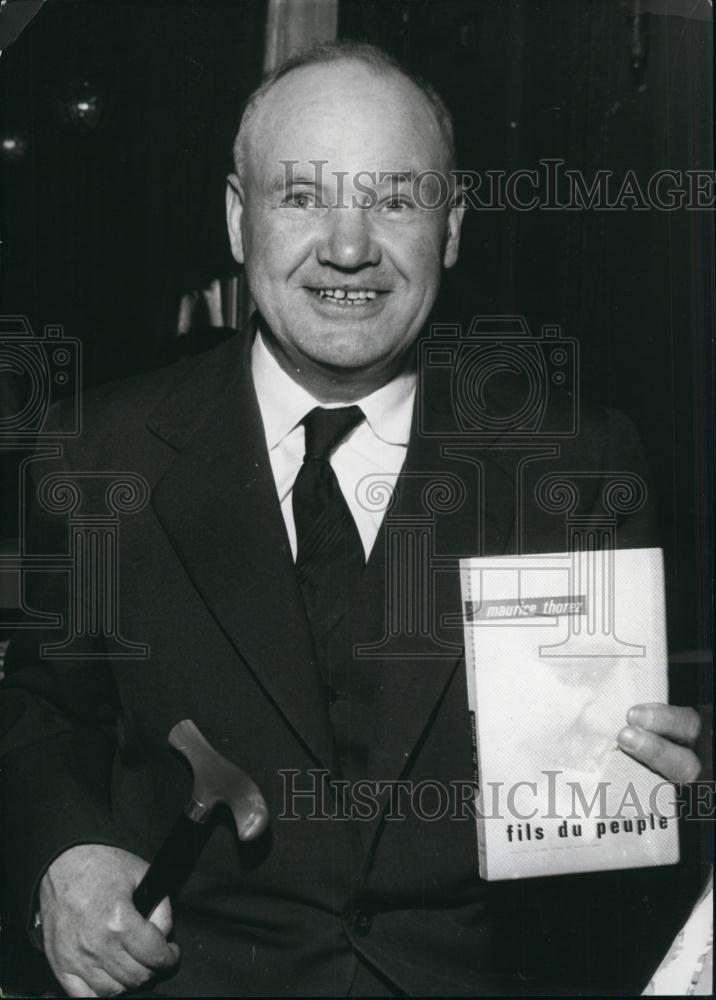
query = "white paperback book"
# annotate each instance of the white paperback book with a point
(558, 647)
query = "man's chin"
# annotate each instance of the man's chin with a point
(351, 349)
(349, 365)
(347, 354)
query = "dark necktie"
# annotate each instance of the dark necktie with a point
(330, 558)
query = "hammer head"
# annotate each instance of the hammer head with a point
(218, 780)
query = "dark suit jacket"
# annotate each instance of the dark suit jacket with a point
(206, 581)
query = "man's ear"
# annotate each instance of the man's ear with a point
(456, 214)
(234, 213)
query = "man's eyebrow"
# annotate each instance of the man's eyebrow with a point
(284, 183)
(395, 176)
(300, 179)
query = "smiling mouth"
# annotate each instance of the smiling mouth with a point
(351, 298)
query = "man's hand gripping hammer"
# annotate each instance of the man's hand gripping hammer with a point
(215, 780)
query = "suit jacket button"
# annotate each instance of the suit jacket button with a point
(362, 922)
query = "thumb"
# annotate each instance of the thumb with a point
(161, 916)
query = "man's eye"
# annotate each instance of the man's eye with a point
(299, 200)
(396, 204)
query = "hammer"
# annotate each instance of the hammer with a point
(215, 780)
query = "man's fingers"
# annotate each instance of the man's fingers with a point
(107, 966)
(126, 970)
(148, 946)
(74, 986)
(103, 984)
(161, 916)
(97, 984)
(675, 763)
(682, 725)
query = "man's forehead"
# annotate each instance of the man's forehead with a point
(348, 117)
(345, 80)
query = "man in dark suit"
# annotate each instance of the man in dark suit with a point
(296, 651)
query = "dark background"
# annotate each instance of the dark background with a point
(104, 228)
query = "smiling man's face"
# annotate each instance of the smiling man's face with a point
(344, 268)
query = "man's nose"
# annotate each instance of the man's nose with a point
(348, 240)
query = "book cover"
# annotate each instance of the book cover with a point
(558, 647)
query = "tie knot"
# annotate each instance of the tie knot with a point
(325, 429)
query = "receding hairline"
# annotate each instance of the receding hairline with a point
(327, 54)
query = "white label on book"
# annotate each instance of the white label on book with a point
(558, 647)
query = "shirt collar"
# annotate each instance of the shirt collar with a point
(284, 403)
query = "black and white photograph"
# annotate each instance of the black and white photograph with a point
(356, 498)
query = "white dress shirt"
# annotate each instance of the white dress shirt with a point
(366, 463)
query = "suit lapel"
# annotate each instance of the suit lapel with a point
(218, 505)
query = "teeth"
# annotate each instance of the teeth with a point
(357, 296)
